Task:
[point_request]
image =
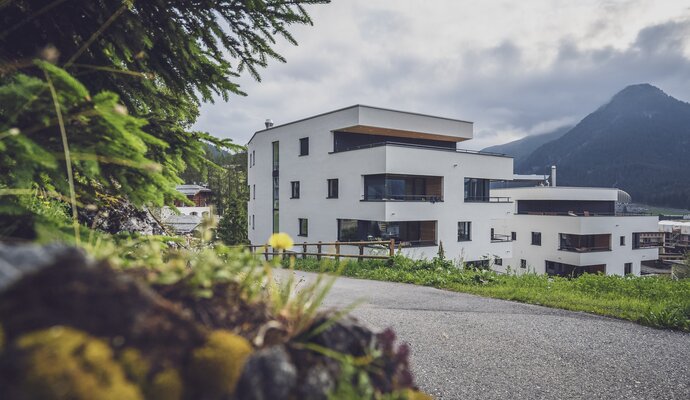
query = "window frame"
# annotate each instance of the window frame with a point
(302, 151)
(305, 232)
(330, 193)
(523, 263)
(627, 268)
(536, 238)
(621, 241)
(467, 236)
(294, 185)
(513, 236)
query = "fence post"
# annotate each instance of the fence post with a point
(304, 250)
(318, 251)
(391, 248)
(337, 251)
(361, 252)
(266, 252)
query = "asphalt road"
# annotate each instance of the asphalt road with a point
(470, 347)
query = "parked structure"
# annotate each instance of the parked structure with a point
(367, 173)
(572, 230)
(676, 237)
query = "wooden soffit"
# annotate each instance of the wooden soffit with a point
(373, 130)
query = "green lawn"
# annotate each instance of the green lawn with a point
(654, 301)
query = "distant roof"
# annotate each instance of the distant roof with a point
(183, 224)
(191, 190)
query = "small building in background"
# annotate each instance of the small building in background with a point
(188, 219)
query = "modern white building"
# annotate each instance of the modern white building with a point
(572, 230)
(367, 173)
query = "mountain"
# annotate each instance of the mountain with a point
(521, 149)
(639, 142)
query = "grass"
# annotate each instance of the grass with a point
(653, 301)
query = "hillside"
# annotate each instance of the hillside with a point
(639, 142)
(522, 148)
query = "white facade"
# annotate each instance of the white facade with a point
(578, 213)
(443, 169)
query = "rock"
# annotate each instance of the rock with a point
(122, 216)
(19, 260)
(267, 375)
(60, 285)
(316, 384)
(346, 335)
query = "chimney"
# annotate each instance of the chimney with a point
(553, 176)
(269, 123)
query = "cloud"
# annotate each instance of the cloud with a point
(514, 69)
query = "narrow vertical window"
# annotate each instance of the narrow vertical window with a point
(253, 157)
(513, 236)
(294, 189)
(332, 188)
(254, 191)
(304, 146)
(628, 268)
(303, 227)
(622, 240)
(252, 221)
(523, 263)
(276, 187)
(536, 238)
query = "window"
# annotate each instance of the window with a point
(332, 189)
(536, 238)
(254, 191)
(253, 157)
(295, 190)
(477, 190)
(303, 227)
(252, 221)
(622, 240)
(498, 261)
(513, 236)
(523, 263)
(464, 231)
(628, 268)
(304, 146)
(250, 160)
(276, 187)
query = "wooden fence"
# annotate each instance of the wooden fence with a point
(267, 251)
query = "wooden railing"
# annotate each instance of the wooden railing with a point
(389, 247)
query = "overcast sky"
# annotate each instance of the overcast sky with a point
(512, 67)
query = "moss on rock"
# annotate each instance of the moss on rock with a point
(217, 365)
(165, 385)
(64, 363)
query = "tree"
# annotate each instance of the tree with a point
(159, 58)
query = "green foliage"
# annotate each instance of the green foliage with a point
(654, 301)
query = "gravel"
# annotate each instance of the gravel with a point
(470, 347)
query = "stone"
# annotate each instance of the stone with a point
(17, 261)
(268, 375)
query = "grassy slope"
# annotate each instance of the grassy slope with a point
(653, 301)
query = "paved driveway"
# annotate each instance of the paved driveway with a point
(469, 347)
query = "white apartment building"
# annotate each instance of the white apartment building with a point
(572, 230)
(367, 173)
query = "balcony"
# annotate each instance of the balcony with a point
(392, 187)
(584, 243)
(647, 240)
(487, 199)
(404, 233)
(499, 238)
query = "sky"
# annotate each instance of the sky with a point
(514, 68)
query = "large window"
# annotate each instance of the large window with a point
(536, 238)
(389, 187)
(584, 243)
(407, 233)
(304, 146)
(560, 269)
(627, 268)
(294, 190)
(464, 231)
(332, 188)
(647, 240)
(477, 190)
(303, 227)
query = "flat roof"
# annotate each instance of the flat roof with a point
(366, 107)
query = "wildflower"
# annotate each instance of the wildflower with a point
(281, 241)
(13, 131)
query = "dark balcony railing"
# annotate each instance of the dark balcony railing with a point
(416, 243)
(500, 238)
(585, 214)
(404, 197)
(487, 199)
(590, 249)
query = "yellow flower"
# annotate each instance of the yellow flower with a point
(281, 241)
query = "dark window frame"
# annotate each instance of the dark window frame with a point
(498, 261)
(294, 190)
(303, 229)
(513, 236)
(622, 240)
(304, 146)
(627, 268)
(466, 235)
(536, 238)
(333, 188)
(523, 263)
